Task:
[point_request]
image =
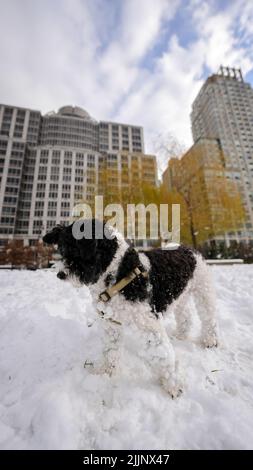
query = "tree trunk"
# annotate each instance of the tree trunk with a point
(194, 239)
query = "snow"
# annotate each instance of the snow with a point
(48, 400)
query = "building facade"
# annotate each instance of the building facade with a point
(212, 199)
(50, 163)
(223, 110)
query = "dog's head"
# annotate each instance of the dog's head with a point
(87, 248)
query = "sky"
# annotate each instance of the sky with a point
(140, 62)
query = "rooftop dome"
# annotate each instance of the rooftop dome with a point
(75, 111)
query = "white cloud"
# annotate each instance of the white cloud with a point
(40, 50)
(163, 102)
(93, 53)
(56, 50)
(217, 31)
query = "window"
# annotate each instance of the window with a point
(13, 162)
(55, 170)
(41, 187)
(13, 181)
(39, 204)
(42, 170)
(65, 204)
(10, 199)
(52, 204)
(66, 187)
(67, 154)
(56, 154)
(14, 171)
(40, 195)
(42, 177)
(37, 224)
(8, 210)
(11, 190)
(51, 213)
(38, 213)
(51, 224)
(53, 187)
(79, 157)
(7, 220)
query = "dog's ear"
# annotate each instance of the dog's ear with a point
(52, 238)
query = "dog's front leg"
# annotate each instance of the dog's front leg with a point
(160, 355)
(111, 333)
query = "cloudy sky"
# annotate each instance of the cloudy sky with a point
(135, 61)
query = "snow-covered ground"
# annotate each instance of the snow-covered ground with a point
(48, 400)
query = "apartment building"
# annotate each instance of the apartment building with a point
(223, 110)
(211, 196)
(50, 163)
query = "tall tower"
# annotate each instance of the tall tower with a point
(19, 129)
(223, 110)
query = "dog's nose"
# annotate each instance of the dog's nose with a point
(62, 275)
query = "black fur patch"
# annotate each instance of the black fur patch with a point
(169, 274)
(85, 258)
(137, 289)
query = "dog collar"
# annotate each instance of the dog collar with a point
(107, 294)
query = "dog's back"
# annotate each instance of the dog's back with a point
(170, 272)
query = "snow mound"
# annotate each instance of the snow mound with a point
(48, 400)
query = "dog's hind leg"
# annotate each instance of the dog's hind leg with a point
(158, 352)
(204, 299)
(183, 317)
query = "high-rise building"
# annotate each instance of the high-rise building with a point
(211, 198)
(50, 163)
(223, 110)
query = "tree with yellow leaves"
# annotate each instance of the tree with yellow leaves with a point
(212, 198)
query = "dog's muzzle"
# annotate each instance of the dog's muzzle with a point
(62, 275)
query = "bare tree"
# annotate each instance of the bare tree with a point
(167, 146)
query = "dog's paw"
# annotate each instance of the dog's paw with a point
(181, 336)
(94, 367)
(99, 367)
(210, 341)
(175, 393)
(172, 387)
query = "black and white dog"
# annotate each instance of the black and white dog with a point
(130, 287)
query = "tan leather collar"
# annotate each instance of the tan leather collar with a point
(107, 294)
